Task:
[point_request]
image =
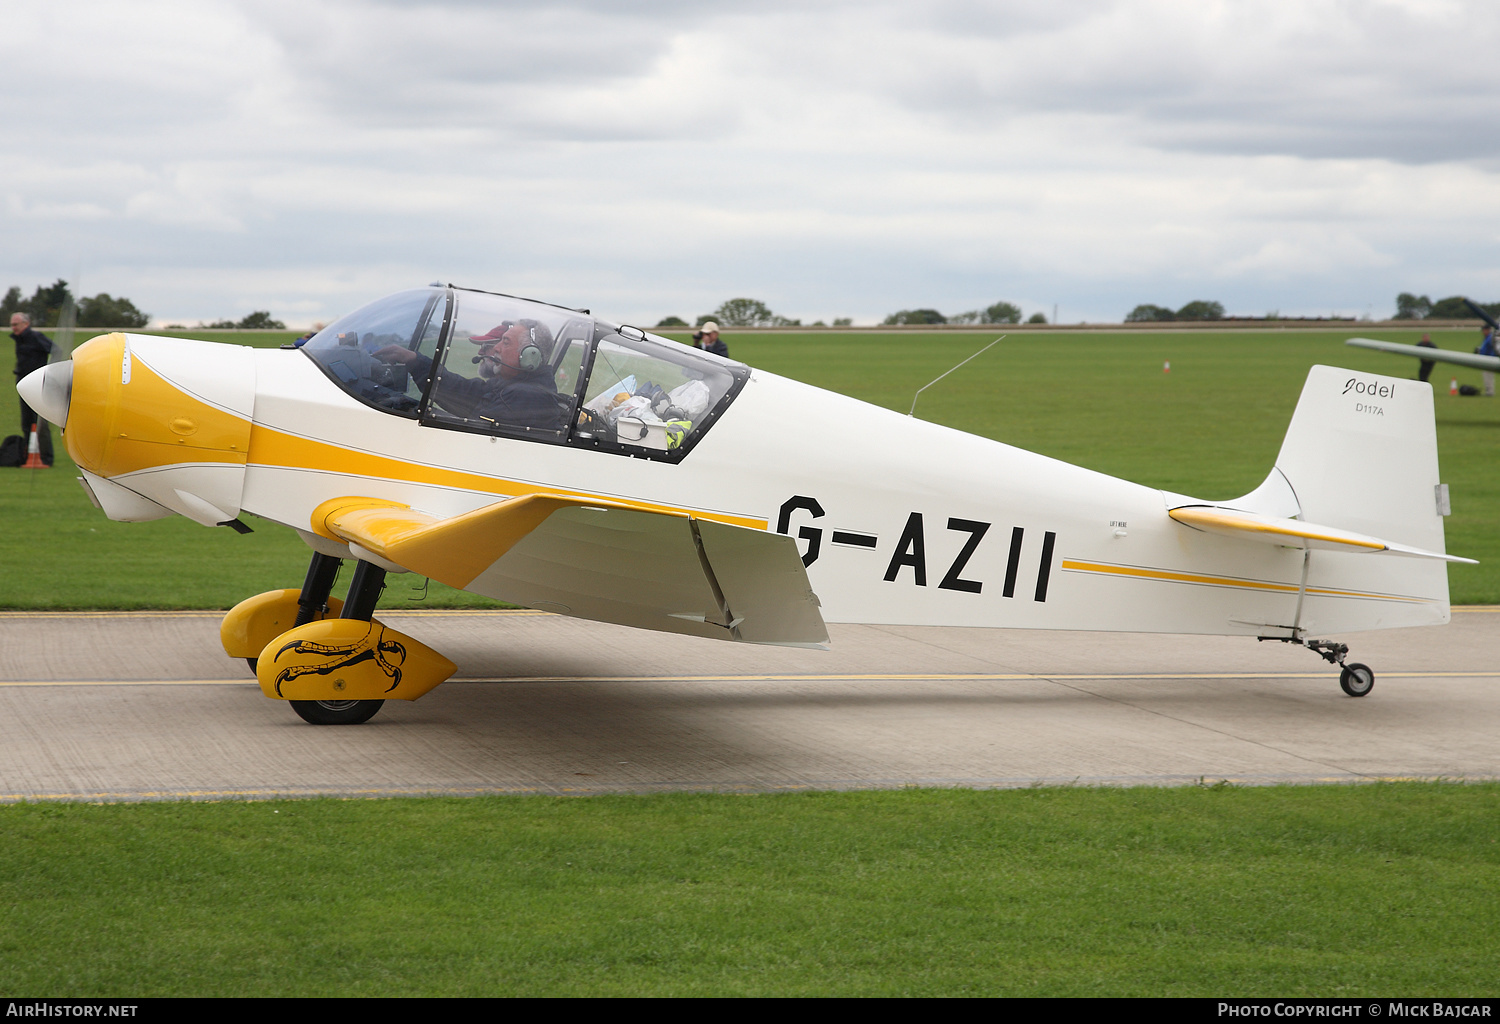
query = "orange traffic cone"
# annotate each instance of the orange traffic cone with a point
(1453, 386)
(34, 453)
(1166, 367)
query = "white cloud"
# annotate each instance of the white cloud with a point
(832, 159)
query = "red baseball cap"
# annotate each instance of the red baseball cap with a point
(494, 334)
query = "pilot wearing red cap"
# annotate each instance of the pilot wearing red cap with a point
(515, 386)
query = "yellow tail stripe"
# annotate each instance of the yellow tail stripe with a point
(1171, 576)
(1176, 577)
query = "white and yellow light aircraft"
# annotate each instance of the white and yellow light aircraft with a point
(546, 457)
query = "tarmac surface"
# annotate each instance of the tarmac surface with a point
(146, 706)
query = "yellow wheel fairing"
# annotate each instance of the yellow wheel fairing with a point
(132, 418)
(349, 659)
(258, 620)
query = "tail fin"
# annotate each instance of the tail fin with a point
(1361, 456)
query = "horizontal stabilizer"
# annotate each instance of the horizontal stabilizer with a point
(1293, 533)
(1438, 355)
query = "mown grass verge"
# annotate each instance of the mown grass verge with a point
(1337, 890)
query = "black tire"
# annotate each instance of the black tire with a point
(336, 712)
(252, 662)
(1357, 680)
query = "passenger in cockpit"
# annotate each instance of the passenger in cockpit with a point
(515, 386)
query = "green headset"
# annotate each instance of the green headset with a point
(531, 356)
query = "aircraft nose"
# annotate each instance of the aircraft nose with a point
(49, 391)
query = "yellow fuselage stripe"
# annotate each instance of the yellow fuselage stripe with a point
(278, 449)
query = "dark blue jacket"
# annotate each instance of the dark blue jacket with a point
(32, 349)
(530, 400)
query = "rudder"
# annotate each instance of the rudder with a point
(1361, 455)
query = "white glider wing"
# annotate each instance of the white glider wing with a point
(1433, 355)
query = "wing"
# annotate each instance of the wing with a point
(1437, 355)
(1294, 533)
(610, 561)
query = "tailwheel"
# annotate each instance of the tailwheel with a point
(1356, 680)
(336, 712)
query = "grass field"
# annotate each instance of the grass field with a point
(1383, 889)
(1330, 891)
(1211, 428)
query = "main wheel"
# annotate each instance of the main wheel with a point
(336, 712)
(1357, 680)
(252, 662)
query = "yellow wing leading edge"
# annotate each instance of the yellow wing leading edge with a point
(600, 559)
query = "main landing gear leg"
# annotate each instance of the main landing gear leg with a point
(1356, 679)
(364, 593)
(321, 573)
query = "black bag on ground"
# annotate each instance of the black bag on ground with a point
(1463, 389)
(13, 451)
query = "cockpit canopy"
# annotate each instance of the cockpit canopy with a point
(496, 364)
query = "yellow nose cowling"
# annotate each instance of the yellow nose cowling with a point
(125, 416)
(166, 418)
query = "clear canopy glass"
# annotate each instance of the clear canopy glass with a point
(496, 364)
(653, 395)
(346, 349)
(510, 365)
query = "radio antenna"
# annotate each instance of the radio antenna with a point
(930, 383)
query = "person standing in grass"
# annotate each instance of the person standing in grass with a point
(32, 349)
(1487, 348)
(708, 340)
(1424, 369)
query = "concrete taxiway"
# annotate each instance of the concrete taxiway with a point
(133, 706)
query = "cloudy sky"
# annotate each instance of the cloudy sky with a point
(832, 159)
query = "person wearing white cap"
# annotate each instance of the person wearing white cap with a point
(707, 338)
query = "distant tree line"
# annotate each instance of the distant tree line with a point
(743, 313)
(260, 320)
(754, 313)
(46, 306)
(1408, 307)
(1198, 309)
(997, 313)
(1420, 307)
